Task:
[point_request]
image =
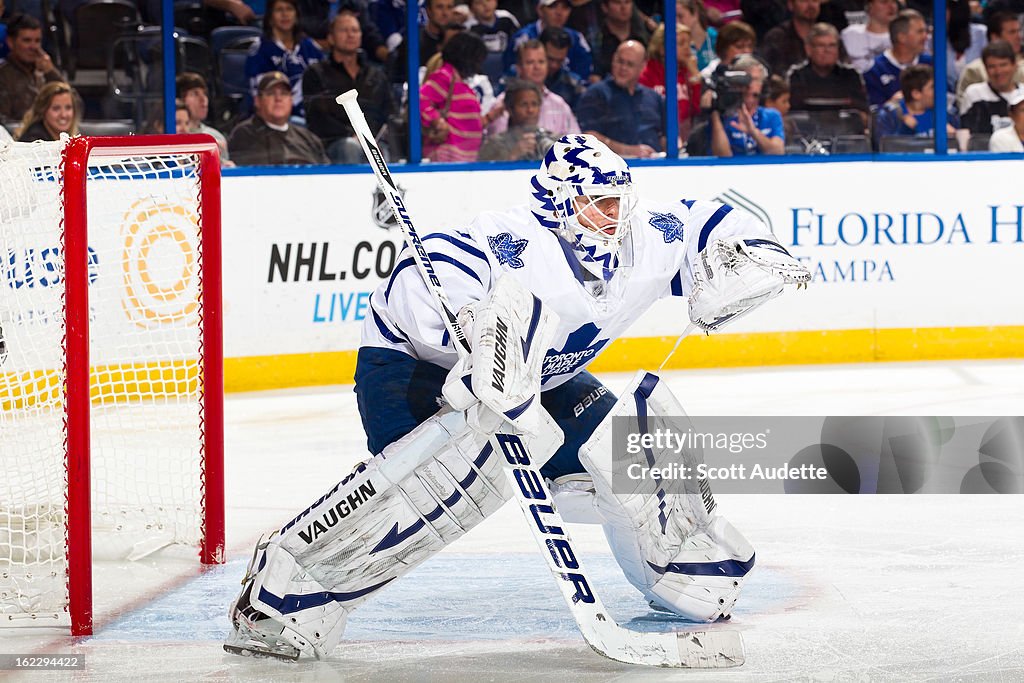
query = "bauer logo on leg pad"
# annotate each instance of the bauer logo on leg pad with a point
(528, 479)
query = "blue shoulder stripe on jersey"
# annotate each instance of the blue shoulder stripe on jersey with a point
(734, 568)
(461, 244)
(677, 284)
(437, 256)
(402, 265)
(688, 203)
(383, 329)
(712, 223)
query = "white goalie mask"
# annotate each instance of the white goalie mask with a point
(584, 192)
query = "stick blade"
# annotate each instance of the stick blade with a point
(711, 649)
(686, 650)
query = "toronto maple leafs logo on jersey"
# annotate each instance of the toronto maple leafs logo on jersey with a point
(507, 249)
(669, 225)
(578, 350)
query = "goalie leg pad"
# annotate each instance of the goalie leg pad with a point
(670, 545)
(419, 495)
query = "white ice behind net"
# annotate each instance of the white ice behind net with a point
(145, 352)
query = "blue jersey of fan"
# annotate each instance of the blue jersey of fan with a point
(665, 239)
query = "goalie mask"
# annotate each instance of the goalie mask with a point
(584, 192)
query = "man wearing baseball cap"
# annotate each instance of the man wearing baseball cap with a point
(269, 138)
(1011, 138)
(555, 13)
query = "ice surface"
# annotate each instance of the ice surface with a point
(845, 588)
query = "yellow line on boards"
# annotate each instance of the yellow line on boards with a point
(257, 373)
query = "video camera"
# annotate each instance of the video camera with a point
(729, 87)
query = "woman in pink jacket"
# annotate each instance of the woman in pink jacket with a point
(449, 109)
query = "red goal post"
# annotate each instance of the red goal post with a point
(137, 383)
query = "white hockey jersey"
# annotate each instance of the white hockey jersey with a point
(666, 238)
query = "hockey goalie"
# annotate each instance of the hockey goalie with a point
(540, 290)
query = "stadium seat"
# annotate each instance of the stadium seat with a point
(228, 36)
(978, 142)
(99, 128)
(851, 144)
(909, 143)
(493, 68)
(97, 23)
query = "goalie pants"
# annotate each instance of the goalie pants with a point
(396, 392)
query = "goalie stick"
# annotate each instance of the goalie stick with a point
(697, 649)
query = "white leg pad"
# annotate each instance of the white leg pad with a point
(670, 546)
(403, 506)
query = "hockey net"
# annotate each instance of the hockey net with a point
(110, 384)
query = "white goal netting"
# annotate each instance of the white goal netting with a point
(145, 350)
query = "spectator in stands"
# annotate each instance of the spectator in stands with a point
(55, 110)
(735, 39)
(345, 68)
(1011, 138)
(822, 83)
(555, 13)
(964, 40)
(181, 117)
(752, 129)
(865, 42)
(494, 26)
(523, 139)
(986, 103)
(560, 80)
(27, 67)
(914, 113)
(1000, 26)
(619, 24)
(191, 89)
(315, 17)
(283, 48)
(389, 18)
(440, 15)
(626, 116)
(908, 33)
(784, 45)
(721, 12)
(449, 109)
(703, 36)
(269, 138)
(763, 15)
(555, 114)
(777, 97)
(688, 80)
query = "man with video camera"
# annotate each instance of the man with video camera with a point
(740, 126)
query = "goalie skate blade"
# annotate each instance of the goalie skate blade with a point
(248, 644)
(693, 650)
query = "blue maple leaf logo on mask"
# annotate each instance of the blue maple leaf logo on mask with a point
(507, 249)
(578, 350)
(669, 224)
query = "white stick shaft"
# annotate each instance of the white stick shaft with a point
(394, 197)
